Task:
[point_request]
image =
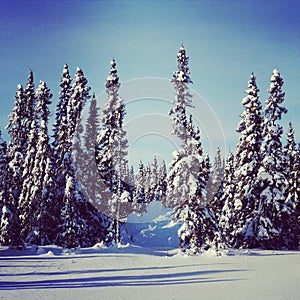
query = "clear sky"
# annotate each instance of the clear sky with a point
(225, 40)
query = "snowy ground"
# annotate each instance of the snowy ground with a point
(141, 271)
(138, 273)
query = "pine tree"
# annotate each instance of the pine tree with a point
(248, 162)
(273, 212)
(291, 233)
(111, 151)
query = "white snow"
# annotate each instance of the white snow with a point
(139, 273)
(148, 270)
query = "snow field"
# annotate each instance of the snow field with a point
(139, 273)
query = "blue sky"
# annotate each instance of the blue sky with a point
(225, 40)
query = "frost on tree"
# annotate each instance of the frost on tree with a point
(273, 212)
(188, 174)
(111, 152)
(247, 164)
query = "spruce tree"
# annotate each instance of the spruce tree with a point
(248, 162)
(216, 188)
(61, 133)
(187, 177)
(9, 223)
(32, 200)
(183, 99)
(79, 223)
(227, 217)
(90, 180)
(139, 192)
(291, 233)
(17, 145)
(111, 151)
(273, 213)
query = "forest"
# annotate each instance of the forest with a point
(72, 186)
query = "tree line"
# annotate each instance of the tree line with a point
(76, 188)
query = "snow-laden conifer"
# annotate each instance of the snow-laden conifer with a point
(227, 217)
(111, 151)
(9, 223)
(32, 199)
(247, 164)
(291, 234)
(187, 177)
(273, 213)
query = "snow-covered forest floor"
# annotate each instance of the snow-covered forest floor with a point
(147, 268)
(139, 273)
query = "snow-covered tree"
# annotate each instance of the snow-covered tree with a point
(187, 177)
(273, 213)
(227, 217)
(17, 130)
(111, 151)
(81, 226)
(9, 223)
(29, 114)
(183, 99)
(15, 126)
(61, 142)
(139, 192)
(291, 233)
(91, 184)
(80, 95)
(215, 190)
(37, 156)
(162, 183)
(248, 162)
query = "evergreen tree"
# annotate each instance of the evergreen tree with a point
(139, 193)
(227, 217)
(273, 212)
(248, 162)
(18, 132)
(90, 174)
(61, 141)
(111, 151)
(162, 183)
(183, 99)
(9, 223)
(29, 114)
(291, 234)
(187, 177)
(216, 188)
(38, 153)
(81, 226)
